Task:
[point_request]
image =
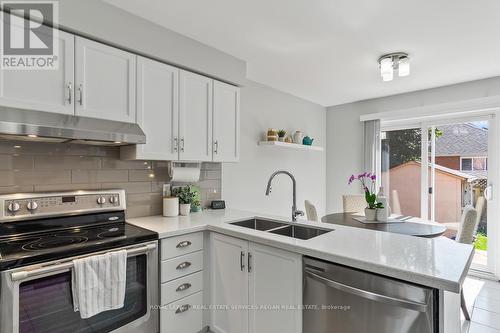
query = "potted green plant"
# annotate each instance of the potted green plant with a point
(281, 135)
(187, 196)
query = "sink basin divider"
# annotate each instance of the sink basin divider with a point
(279, 228)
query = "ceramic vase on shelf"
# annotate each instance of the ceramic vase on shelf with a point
(272, 135)
(297, 137)
(184, 209)
(370, 214)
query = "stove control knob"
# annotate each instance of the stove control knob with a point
(32, 205)
(13, 207)
(113, 200)
(101, 200)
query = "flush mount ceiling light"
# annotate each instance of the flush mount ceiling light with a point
(394, 62)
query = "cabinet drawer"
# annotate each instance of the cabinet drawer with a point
(179, 245)
(181, 266)
(183, 316)
(182, 287)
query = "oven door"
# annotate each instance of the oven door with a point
(37, 299)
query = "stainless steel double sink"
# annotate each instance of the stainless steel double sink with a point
(281, 228)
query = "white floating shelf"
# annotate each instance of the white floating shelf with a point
(280, 144)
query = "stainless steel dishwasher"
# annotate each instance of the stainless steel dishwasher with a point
(342, 299)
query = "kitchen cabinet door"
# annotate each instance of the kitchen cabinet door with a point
(195, 117)
(105, 82)
(157, 111)
(42, 90)
(275, 279)
(226, 122)
(228, 284)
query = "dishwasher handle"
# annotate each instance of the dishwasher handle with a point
(417, 306)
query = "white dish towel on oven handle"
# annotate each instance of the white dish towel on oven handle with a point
(98, 283)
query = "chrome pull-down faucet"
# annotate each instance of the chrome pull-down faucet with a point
(295, 211)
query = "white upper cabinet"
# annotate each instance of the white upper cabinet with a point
(226, 122)
(195, 117)
(275, 277)
(228, 283)
(105, 82)
(42, 90)
(157, 111)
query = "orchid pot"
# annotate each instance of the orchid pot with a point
(371, 214)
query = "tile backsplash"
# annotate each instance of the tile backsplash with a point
(45, 167)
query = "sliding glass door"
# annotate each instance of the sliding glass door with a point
(458, 165)
(435, 169)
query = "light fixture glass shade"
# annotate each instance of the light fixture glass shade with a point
(387, 77)
(386, 70)
(404, 66)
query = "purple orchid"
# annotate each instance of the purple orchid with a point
(368, 183)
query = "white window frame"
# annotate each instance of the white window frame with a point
(472, 162)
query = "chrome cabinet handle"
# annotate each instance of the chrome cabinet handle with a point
(242, 258)
(183, 265)
(70, 92)
(182, 144)
(417, 306)
(176, 144)
(182, 308)
(249, 264)
(216, 147)
(183, 244)
(80, 92)
(183, 287)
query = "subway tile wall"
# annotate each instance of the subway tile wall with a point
(45, 167)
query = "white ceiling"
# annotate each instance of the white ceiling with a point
(326, 51)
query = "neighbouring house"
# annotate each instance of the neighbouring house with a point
(463, 147)
(453, 191)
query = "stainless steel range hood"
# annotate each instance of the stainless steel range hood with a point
(17, 124)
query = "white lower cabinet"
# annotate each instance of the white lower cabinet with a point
(181, 289)
(275, 288)
(228, 284)
(257, 288)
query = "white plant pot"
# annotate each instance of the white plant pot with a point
(281, 139)
(184, 209)
(370, 214)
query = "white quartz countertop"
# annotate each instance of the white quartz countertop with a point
(436, 262)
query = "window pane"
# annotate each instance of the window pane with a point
(466, 164)
(401, 170)
(479, 163)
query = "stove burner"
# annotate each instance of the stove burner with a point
(112, 232)
(45, 243)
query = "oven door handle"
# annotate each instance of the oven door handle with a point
(21, 275)
(421, 307)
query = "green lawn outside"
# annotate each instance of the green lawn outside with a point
(481, 242)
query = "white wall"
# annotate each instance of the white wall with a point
(244, 183)
(261, 107)
(345, 131)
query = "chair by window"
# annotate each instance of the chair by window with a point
(353, 203)
(311, 212)
(466, 232)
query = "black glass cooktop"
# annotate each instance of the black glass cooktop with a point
(80, 235)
